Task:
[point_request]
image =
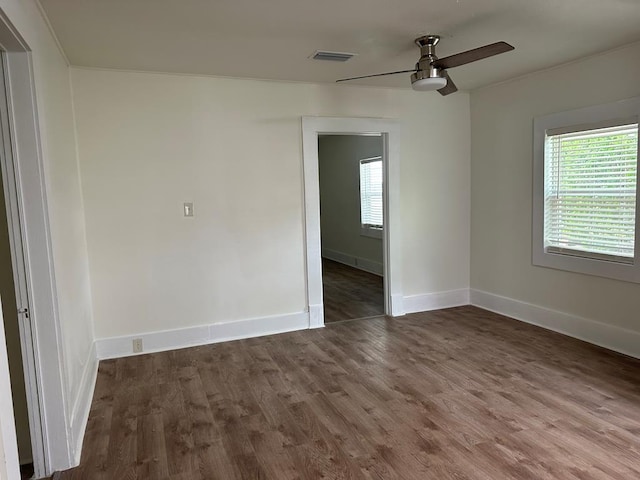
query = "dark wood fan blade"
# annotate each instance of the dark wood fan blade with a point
(376, 75)
(473, 55)
(449, 88)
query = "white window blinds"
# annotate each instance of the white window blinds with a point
(371, 192)
(590, 192)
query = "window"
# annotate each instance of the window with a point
(585, 191)
(590, 192)
(371, 202)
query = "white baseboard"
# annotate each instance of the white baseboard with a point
(435, 301)
(82, 404)
(360, 263)
(397, 305)
(608, 336)
(116, 347)
(316, 316)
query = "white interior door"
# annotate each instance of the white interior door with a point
(13, 200)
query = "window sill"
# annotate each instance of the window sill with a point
(371, 232)
(588, 266)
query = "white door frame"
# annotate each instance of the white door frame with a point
(392, 255)
(15, 230)
(25, 190)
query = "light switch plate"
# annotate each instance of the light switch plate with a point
(188, 209)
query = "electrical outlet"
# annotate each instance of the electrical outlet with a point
(137, 345)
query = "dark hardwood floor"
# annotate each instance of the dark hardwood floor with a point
(452, 394)
(349, 293)
(26, 471)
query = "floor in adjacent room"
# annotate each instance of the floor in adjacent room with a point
(26, 471)
(451, 394)
(350, 293)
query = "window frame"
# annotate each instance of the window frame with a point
(370, 230)
(586, 118)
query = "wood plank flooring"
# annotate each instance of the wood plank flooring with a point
(349, 293)
(452, 394)
(26, 471)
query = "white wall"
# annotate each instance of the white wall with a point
(149, 142)
(339, 171)
(501, 193)
(53, 92)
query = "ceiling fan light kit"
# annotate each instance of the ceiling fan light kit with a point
(427, 84)
(430, 73)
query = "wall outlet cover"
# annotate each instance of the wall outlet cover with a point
(137, 345)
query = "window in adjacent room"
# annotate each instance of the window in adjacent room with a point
(371, 200)
(585, 204)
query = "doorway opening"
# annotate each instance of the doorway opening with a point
(387, 131)
(14, 348)
(15, 299)
(351, 176)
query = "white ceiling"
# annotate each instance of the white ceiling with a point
(273, 39)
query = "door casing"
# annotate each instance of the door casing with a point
(392, 254)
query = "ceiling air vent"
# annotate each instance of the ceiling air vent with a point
(333, 56)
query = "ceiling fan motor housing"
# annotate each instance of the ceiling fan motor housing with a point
(426, 76)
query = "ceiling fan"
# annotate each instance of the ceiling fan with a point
(430, 73)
